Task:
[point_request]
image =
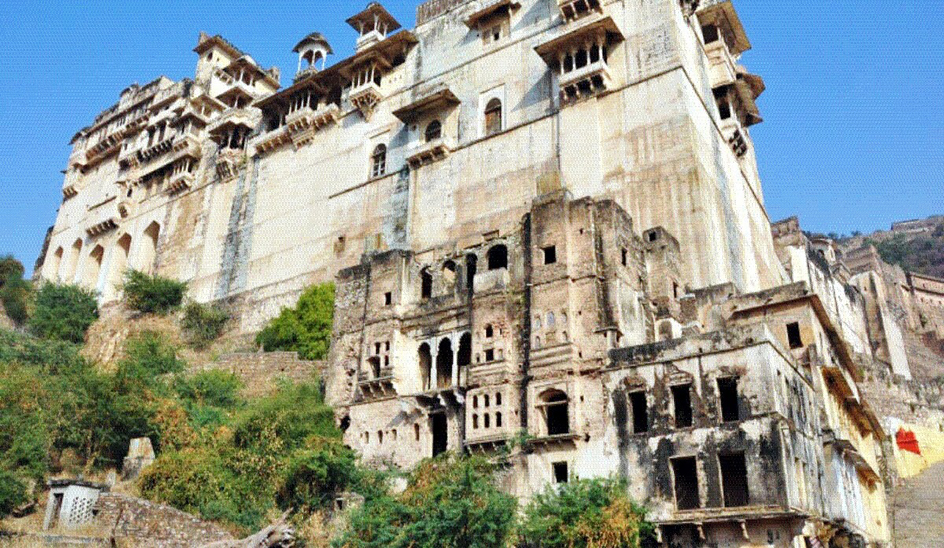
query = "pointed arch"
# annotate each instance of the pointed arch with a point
(148, 252)
(444, 359)
(93, 267)
(118, 264)
(54, 264)
(426, 366)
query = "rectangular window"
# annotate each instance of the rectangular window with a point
(710, 32)
(728, 396)
(793, 335)
(560, 472)
(640, 412)
(490, 355)
(624, 256)
(388, 298)
(682, 404)
(685, 471)
(734, 480)
(550, 254)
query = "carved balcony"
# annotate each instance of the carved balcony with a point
(272, 140)
(429, 152)
(158, 149)
(231, 117)
(104, 217)
(228, 162)
(589, 79)
(365, 97)
(722, 67)
(179, 182)
(304, 122)
(108, 146)
(734, 134)
(187, 145)
(69, 191)
(574, 9)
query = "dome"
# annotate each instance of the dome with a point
(313, 38)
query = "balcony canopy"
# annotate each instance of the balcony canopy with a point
(489, 8)
(604, 25)
(723, 15)
(434, 101)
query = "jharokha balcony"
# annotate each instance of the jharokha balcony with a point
(365, 97)
(579, 58)
(429, 152)
(573, 9)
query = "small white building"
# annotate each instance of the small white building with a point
(71, 503)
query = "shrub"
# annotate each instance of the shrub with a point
(290, 416)
(152, 294)
(450, 501)
(13, 493)
(594, 513)
(15, 293)
(306, 328)
(315, 475)
(63, 312)
(216, 388)
(10, 267)
(149, 355)
(204, 323)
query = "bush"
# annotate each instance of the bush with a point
(13, 493)
(204, 323)
(152, 294)
(63, 312)
(315, 475)
(450, 502)
(306, 328)
(216, 388)
(15, 292)
(595, 513)
(10, 268)
(289, 418)
(149, 355)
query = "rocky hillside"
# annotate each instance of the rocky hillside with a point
(916, 246)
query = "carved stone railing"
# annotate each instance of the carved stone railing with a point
(429, 152)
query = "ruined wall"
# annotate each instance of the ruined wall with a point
(145, 523)
(261, 372)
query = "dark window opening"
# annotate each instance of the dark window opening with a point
(560, 472)
(710, 32)
(556, 413)
(388, 298)
(498, 398)
(734, 480)
(426, 289)
(444, 364)
(728, 394)
(440, 434)
(498, 420)
(465, 350)
(487, 400)
(640, 412)
(580, 60)
(487, 421)
(475, 422)
(489, 355)
(489, 331)
(624, 257)
(374, 363)
(653, 236)
(675, 290)
(497, 257)
(793, 335)
(685, 471)
(416, 432)
(433, 131)
(550, 254)
(470, 267)
(493, 117)
(682, 402)
(426, 365)
(379, 161)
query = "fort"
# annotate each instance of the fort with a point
(548, 234)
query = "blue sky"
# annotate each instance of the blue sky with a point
(854, 110)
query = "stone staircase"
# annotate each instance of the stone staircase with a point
(918, 510)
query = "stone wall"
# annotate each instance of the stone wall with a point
(261, 371)
(137, 522)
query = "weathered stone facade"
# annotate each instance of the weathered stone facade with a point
(548, 235)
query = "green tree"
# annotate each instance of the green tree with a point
(450, 502)
(584, 513)
(15, 292)
(204, 323)
(63, 312)
(152, 294)
(306, 328)
(10, 267)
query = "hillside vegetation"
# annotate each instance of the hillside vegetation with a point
(241, 462)
(921, 253)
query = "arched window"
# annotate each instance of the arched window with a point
(444, 364)
(149, 248)
(93, 267)
(489, 331)
(73, 265)
(493, 117)
(426, 284)
(426, 365)
(433, 131)
(52, 269)
(378, 161)
(498, 257)
(119, 261)
(465, 350)
(470, 264)
(449, 273)
(498, 421)
(556, 412)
